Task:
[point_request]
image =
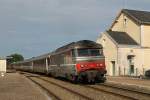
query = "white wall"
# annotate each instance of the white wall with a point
(110, 52)
(2, 65)
(145, 35)
(141, 60)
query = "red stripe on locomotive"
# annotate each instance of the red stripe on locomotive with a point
(83, 66)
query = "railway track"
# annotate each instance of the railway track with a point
(98, 90)
(122, 92)
(129, 90)
(74, 92)
(110, 92)
(53, 95)
(49, 92)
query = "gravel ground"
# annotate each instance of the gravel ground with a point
(14, 86)
(95, 95)
(61, 93)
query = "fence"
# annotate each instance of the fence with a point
(128, 72)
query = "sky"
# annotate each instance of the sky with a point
(35, 27)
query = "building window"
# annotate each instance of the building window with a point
(125, 22)
(113, 68)
(104, 41)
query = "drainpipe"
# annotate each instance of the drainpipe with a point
(141, 40)
(141, 34)
(117, 61)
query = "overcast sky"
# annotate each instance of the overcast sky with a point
(35, 27)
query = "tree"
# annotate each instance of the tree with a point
(14, 58)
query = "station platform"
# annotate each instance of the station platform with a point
(14, 86)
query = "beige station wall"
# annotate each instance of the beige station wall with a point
(129, 27)
(145, 35)
(141, 60)
(119, 55)
(138, 61)
(2, 65)
(146, 59)
(118, 25)
(110, 51)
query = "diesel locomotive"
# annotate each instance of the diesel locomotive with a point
(78, 61)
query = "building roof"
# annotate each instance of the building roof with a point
(139, 17)
(121, 38)
(142, 17)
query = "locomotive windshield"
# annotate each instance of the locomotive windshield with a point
(89, 52)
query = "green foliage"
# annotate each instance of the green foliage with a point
(14, 58)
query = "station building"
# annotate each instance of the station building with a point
(127, 44)
(2, 65)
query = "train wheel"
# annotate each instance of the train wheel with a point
(100, 79)
(74, 79)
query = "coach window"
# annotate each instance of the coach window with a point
(73, 52)
(48, 60)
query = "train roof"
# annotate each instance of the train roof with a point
(87, 44)
(80, 44)
(34, 58)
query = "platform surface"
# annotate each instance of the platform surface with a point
(14, 86)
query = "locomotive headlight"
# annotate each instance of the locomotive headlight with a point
(82, 66)
(101, 64)
(86, 65)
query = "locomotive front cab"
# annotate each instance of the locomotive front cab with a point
(90, 64)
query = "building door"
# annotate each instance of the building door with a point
(131, 64)
(113, 68)
(131, 69)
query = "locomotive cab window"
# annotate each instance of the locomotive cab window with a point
(89, 52)
(83, 52)
(95, 52)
